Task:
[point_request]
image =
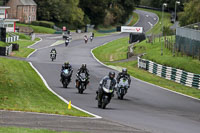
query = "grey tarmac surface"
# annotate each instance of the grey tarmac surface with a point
(63, 123)
(145, 107)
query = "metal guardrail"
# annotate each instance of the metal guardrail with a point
(170, 73)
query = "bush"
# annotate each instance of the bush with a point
(43, 23)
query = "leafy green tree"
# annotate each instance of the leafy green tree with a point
(191, 13)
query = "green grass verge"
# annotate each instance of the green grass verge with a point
(134, 19)
(103, 53)
(3, 44)
(158, 27)
(27, 130)
(112, 51)
(23, 50)
(22, 89)
(38, 29)
(153, 53)
(141, 74)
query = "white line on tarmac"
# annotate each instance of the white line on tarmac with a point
(142, 80)
(150, 24)
(64, 100)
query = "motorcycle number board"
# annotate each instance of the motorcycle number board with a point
(131, 29)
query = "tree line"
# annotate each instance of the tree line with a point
(78, 13)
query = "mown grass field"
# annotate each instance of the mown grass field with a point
(22, 89)
(38, 29)
(27, 130)
(158, 27)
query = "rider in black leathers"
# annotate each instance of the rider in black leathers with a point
(66, 65)
(122, 75)
(53, 51)
(83, 69)
(111, 76)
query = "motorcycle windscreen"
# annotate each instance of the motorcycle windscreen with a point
(123, 82)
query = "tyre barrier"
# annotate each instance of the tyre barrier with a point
(170, 73)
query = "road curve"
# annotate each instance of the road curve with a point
(146, 107)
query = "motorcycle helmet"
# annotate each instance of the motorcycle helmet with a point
(66, 63)
(111, 75)
(124, 71)
(83, 66)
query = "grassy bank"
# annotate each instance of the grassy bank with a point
(153, 53)
(38, 29)
(104, 54)
(134, 19)
(22, 89)
(24, 41)
(112, 51)
(27, 130)
(158, 27)
(3, 44)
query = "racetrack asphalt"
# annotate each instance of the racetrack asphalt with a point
(145, 108)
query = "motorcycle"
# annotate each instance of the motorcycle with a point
(91, 38)
(122, 88)
(66, 77)
(52, 56)
(82, 82)
(66, 42)
(108, 91)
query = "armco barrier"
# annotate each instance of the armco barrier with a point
(170, 73)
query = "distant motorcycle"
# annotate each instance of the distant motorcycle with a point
(66, 42)
(122, 88)
(82, 82)
(66, 74)
(91, 38)
(52, 56)
(108, 91)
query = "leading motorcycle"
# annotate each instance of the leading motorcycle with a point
(107, 93)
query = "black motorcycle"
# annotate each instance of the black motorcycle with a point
(82, 82)
(107, 94)
(66, 77)
(66, 42)
(122, 88)
(52, 56)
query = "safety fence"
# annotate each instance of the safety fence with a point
(12, 39)
(170, 73)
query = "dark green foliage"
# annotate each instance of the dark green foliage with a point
(191, 13)
(167, 31)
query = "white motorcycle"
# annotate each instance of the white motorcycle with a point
(122, 88)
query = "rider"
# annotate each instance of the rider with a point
(53, 51)
(85, 38)
(83, 69)
(111, 76)
(66, 65)
(122, 75)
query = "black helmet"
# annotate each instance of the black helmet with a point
(111, 75)
(124, 71)
(83, 66)
(66, 63)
